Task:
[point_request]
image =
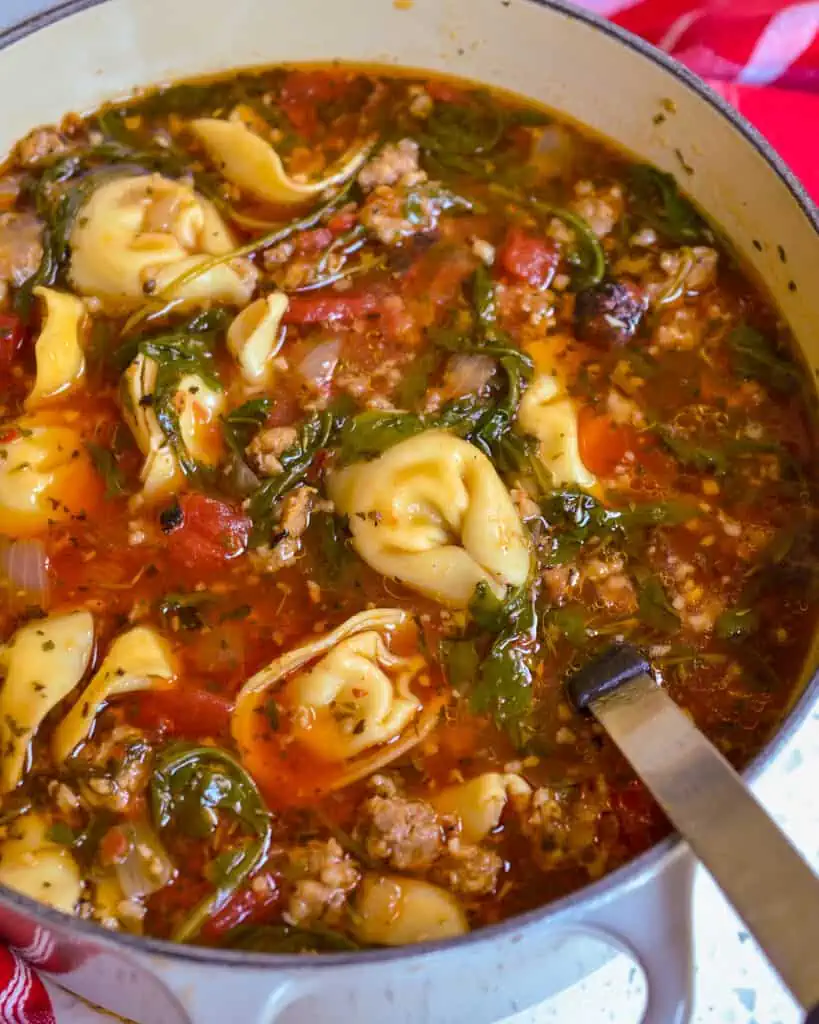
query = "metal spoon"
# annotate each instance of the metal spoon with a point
(768, 883)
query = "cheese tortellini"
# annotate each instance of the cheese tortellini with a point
(547, 413)
(246, 160)
(479, 803)
(391, 910)
(137, 660)
(354, 696)
(198, 408)
(36, 866)
(433, 513)
(46, 474)
(255, 336)
(59, 349)
(137, 235)
(42, 663)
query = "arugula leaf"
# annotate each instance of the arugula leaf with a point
(107, 466)
(494, 613)
(331, 536)
(464, 129)
(736, 623)
(568, 622)
(313, 435)
(238, 429)
(755, 357)
(461, 663)
(61, 833)
(692, 453)
(656, 198)
(190, 787)
(654, 608)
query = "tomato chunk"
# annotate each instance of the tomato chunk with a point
(304, 90)
(184, 711)
(252, 905)
(602, 442)
(313, 241)
(319, 309)
(529, 258)
(204, 533)
(12, 335)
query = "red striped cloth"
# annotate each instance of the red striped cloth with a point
(763, 57)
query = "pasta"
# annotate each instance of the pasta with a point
(196, 407)
(36, 866)
(137, 235)
(396, 911)
(433, 513)
(479, 803)
(251, 163)
(59, 348)
(255, 337)
(137, 660)
(42, 663)
(547, 413)
(46, 475)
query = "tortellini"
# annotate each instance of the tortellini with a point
(255, 336)
(58, 350)
(137, 235)
(137, 660)
(479, 802)
(391, 910)
(46, 475)
(197, 407)
(37, 867)
(246, 160)
(354, 696)
(433, 513)
(42, 663)
(547, 413)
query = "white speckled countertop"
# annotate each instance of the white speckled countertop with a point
(734, 984)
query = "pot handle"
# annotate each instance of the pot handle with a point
(652, 923)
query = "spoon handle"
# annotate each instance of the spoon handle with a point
(768, 883)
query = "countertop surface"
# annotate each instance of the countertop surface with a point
(734, 984)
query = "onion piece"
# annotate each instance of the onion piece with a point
(24, 572)
(318, 366)
(146, 867)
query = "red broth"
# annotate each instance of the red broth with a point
(480, 251)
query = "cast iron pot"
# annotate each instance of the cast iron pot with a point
(84, 52)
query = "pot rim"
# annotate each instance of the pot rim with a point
(560, 911)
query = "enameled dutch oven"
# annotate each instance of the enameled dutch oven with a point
(84, 52)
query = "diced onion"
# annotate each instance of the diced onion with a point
(319, 365)
(146, 867)
(24, 572)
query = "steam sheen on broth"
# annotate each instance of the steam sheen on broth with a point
(343, 414)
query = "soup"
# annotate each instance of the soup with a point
(344, 415)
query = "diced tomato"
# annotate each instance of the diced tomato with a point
(341, 221)
(12, 335)
(443, 91)
(303, 90)
(205, 533)
(183, 711)
(529, 258)
(6, 436)
(602, 442)
(114, 847)
(313, 241)
(318, 309)
(252, 905)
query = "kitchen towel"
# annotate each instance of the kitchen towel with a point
(760, 55)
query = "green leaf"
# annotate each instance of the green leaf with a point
(755, 357)
(568, 622)
(656, 198)
(370, 433)
(107, 466)
(693, 453)
(736, 623)
(313, 435)
(474, 127)
(331, 535)
(284, 938)
(654, 608)
(191, 787)
(493, 613)
(240, 425)
(461, 663)
(185, 608)
(61, 833)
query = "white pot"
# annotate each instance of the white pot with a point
(89, 51)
